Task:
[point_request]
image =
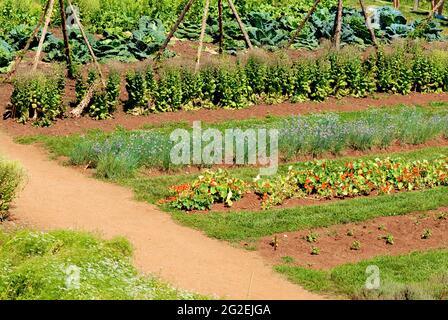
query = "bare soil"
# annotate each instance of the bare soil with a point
(70, 125)
(335, 242)
(57, 197)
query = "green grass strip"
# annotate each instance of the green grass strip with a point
(237, 226)
(418, 275)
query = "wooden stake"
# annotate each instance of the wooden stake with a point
(240, 23)
(173, 29)
(430, 15)
(221, 27)
(369, 27)
(77, 112)
(338, 26)
(22, 52)
(68, 56)
(44, 33)
(86, 40)
(302, 24)
(201, 37)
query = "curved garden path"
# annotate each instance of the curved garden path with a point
(57, 197)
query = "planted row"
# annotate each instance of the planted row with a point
(318, 179)
(406, 68)
(403, 70)
(122, 152)
(39, 97)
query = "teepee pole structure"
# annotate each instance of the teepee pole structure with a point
(86, 40)
(174, 29)
(68, 55)
(303, 23)
(201, 37)
(241, 25)
(338, 26)
(43, 35)
(369, 27)
(22, 52)
(220, 27)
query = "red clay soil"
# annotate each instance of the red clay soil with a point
(335, 243)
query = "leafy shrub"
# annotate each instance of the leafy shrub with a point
(212, 187)
(346, 73)
(38, 97)
(11, 176)
(326, 179)
(104, 100)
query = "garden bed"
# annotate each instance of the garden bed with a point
(353, 242)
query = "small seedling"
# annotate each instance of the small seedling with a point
(274, 243)
(315, 251)
(442, 216)
(426, 234)
(382, 227)
(356, 245)
(389, 239)
(287, 259)
(350, 233)
(312, 237)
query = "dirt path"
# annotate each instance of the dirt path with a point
(60, 197)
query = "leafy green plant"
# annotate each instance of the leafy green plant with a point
(389, 239)
(312, 237)
(38, 97)
(104, 102)
(356, 245)
(315, 251)
(212, 187)
(427, 233)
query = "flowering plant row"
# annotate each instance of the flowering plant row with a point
(318, 179)
(212, 187)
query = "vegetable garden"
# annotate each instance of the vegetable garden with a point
(349, 181)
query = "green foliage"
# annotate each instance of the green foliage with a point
(427, 233)
(35, 266)
(209, 188)
(104, 100)
(11, 177)
(38, 97)
(338, 74)
(312, 237)
(414, 276)
(356, 245)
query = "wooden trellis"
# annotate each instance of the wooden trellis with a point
(337, 25)
(203, 27)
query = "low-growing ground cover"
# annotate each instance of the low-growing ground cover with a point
(73, 265)
(11, 177)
